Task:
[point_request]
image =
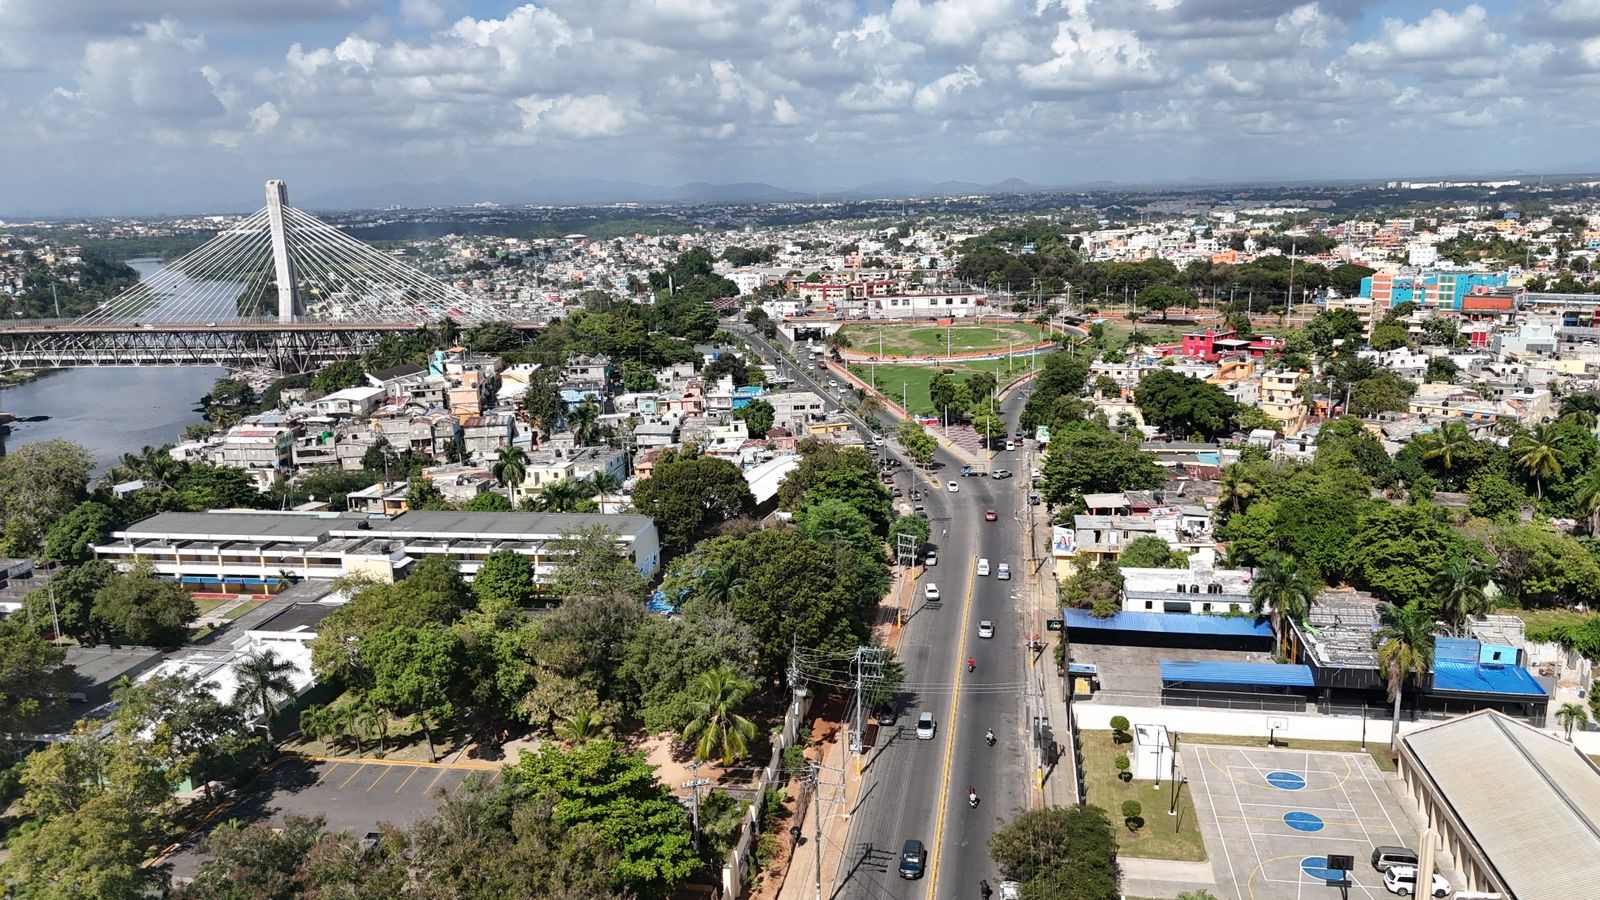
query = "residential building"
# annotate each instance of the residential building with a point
(1199, 589)
(386, 498)
(482, 437)
(262, 451)
(1281, 400)
(355, 401)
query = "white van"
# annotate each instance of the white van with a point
(1003, 572)
(983, 566)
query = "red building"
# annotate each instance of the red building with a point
(1203, 343)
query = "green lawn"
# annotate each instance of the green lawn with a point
(1546, 617)
(911, 382)
(207, 604)
(241, 609)
(931, 340)
(1163, 836)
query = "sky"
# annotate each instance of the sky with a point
(166, 105)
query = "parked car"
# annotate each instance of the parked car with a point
(1000, 473)
(931, 591)
(1402, 880)
(1386, 858)
(932, 560)
(913, 859)
(886, 713)
(926, 726)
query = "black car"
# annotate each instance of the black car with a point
(885, 714)
(913, 859)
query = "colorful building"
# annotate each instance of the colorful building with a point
(1434, 290)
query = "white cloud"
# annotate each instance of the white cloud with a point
(951, 22)
(594, 116)
(1438, 36)
(424, 13)
(1087, 59)
(931, 97)
(156, 72)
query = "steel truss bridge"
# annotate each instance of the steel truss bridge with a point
(278, 288)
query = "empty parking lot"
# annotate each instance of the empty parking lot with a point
(354, 796)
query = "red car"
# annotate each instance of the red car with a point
(989, 516)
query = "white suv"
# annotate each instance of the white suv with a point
(983, 566)
(1402, 880)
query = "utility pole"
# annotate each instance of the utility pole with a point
(816, 821)
(695, 784)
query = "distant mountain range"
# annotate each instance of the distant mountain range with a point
(577, 190)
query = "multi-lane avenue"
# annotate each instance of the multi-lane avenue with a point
(918, 788)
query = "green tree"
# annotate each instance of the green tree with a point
(1458, 592)
(582, 727)
(590, 565)
(1442, 369)
(264, 679)
(138, 608)
(837, 522)
(832, 472)
(95, 851)
(1282, 588)
(488, 501)
(40, 483)
(558, 496)
(1087, 459)
(916, 526)
(216, 487)
(613, 796)
(1586, 498)
(981, 385)
(1150, 552)
(1446, 445)
(757, 416)
(1333, 325)
(583, 421)
(1184, 405)
(1404, 642)
(336, 376)
(688, 495)
(180, 726)
(414, 673)
(715, 726)
(989, 425)
(1346, 279)
(918, 442)
(1162, 297)
(1389, 335)
(1059, 853)
(1537, 565)
(424, 494)
(664, 657)
(542, 399)
(31, 674)
(510, 468)
(69, 597)
(504, 581)
(1062, 376)
(1571, 715)
(1538, 456)
(72, 539)
(1492, 496)
(1399, 548)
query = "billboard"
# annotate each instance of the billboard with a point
(1063, 541)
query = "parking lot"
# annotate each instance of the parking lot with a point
(354, 796)
(1270, 819)
(1132, 675)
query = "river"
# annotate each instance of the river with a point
(110, 411)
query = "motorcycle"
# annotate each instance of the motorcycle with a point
(989, 737)
(970, 664)
(972, 799)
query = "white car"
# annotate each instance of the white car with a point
(1003, 572)
(983, 566)
(952, 487)
(1402, 880)
(926, 727)
(986, 629)
(931, 591)
(932, 560)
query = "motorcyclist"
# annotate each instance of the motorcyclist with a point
(972, 796)
(971, 664)
(984, 889)
(989, 736)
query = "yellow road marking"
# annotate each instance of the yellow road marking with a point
(378, 779)
(408, 779)
(950, 732)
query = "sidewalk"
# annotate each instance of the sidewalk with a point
(1061, 779)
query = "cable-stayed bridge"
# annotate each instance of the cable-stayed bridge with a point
(278, 288)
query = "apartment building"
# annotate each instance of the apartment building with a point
(1281, 400)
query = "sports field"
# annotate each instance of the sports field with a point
(911, 382)
(921, 339)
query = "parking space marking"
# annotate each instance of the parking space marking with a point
(327, 772)
(381, 772)
(358, 771)
(436, 777)
(413, 774)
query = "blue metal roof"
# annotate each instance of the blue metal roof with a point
(1470, 678)
(1170, 623)
(1253, 674)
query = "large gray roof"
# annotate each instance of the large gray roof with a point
(1530, 800)
(190, 526)
(307, 528)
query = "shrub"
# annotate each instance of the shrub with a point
(1119, 723)
(1131, 813)
(1122, 766)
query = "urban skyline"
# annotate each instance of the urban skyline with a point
(165, 107)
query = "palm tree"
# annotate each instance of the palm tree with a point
(1582, 418)
(1459, 589)
(263, 679)
(1282, 588)
(509, 468)
(1586, 497)
(604, 482)
(1571, 714)
(1446, 444)
(581, 421)
(719, 731)
(369, 719)
(582, 727)
(720, 584)
(1405, 648)
(560, 496)
(1236, 489)
(1536, 454)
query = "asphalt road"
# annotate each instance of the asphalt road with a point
(918, 788)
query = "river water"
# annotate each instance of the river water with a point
(110, 411)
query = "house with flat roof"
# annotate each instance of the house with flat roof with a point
(244, 552)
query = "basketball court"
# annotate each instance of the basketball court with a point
(1271, 818)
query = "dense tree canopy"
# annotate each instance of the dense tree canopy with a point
(689, 494)
(1087, 458)
(1184, 406)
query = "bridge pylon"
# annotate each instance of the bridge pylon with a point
(282, 262)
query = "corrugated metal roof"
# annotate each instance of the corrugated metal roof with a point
(1529, 800)
(1243, 673)
(1469, 677)
(1170, 623)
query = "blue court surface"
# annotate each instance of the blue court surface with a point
(1271, 818)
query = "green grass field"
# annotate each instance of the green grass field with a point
(930, 340)
(911, 382)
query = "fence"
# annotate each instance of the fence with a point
(735, 869)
